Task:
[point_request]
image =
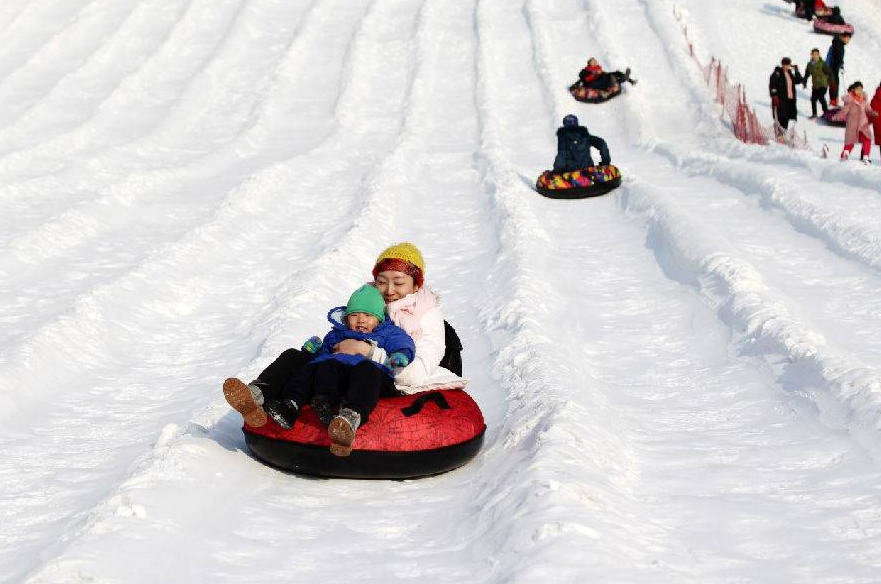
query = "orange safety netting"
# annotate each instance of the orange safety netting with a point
(736, 109)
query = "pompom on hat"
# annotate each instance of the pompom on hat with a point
(403, 257)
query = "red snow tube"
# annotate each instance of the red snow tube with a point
(590, 95)
(407, 436)
(823, 27)
(834, 117)
(579, 184)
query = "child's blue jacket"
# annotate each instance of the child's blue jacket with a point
(387, 335)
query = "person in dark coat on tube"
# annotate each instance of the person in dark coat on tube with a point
(573, 147)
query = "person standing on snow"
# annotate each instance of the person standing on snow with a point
(573, 147)
(876, 123)
(782, 89)
(835, 60)
(819, 70)
(857, 112)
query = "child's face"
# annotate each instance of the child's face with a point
(858, 91)
(815, 55)
(395, 285)
(361, 322)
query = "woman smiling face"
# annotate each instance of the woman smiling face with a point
(395, 285)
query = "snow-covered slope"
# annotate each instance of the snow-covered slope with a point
(680, 379)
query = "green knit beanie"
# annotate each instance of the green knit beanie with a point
(368, 300)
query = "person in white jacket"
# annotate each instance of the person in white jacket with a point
(399, 275)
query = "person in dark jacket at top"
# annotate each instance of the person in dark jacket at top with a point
(806, 8)
(835, 17)
(820, 72)
(782, 89)
(573, 147)
(809, 7)
(835, 60)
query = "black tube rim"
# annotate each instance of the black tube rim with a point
(315, 460)
(580, 192)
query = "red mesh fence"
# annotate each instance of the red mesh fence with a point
(735, 107)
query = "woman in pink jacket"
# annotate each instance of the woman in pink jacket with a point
(858, 114)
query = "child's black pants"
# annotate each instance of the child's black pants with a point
(357, 387)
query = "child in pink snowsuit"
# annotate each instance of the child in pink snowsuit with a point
(858, 113)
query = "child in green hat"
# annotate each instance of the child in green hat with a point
(352, 383)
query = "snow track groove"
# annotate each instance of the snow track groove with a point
(30, 192)
(187, 62)
(173, 295)
(56, 17)
(59, 107)
(69, 236)
(62, 56)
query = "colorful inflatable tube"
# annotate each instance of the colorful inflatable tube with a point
(823, 27)
(579, 184)
(590, 95)
(406, 437)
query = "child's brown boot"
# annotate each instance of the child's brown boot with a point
(342, 431)
(239, 396)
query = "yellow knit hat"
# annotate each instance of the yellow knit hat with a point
(399, 258)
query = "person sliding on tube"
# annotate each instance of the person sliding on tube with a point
(809, 8)
(835, 17)
(593, 76)
(805, 8)
(573, 147)
(352, 384)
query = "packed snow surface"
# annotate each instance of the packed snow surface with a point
(680, 379)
